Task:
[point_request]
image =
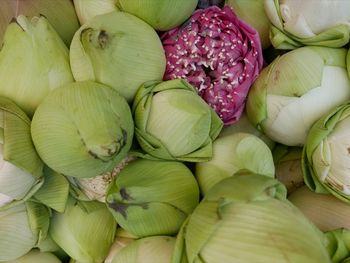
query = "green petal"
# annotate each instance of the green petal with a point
(54, 192)
(39, 219)
(153, 197)
(85, 231)
(22, 168)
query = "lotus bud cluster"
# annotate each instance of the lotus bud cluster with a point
(219, 54)
(164, 133)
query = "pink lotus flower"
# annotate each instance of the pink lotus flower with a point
(218, 54)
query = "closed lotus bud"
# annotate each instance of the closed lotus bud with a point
(161, 15)
(152, 197)
(173, 123)
(33, 61)
(83, 129)
(118, 50)
(326, 156)
(238, 151)
(247, 218)
(317, 23)
(295, 90)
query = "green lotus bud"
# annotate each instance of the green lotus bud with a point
(33, 61)
(288, 166)
(85, 231)
(295, 90)
(253, 13)
(35, 256)
(21, 168)
(325, 210)
(161, 15)
(63, 19)
(296, 23)
(239, 151)
(148, 249)
(173, 123)
(152, 197)
(83, 129)
(246, 218)
(87, 9)
(22, 227)
(326, 154)
(119, 50)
